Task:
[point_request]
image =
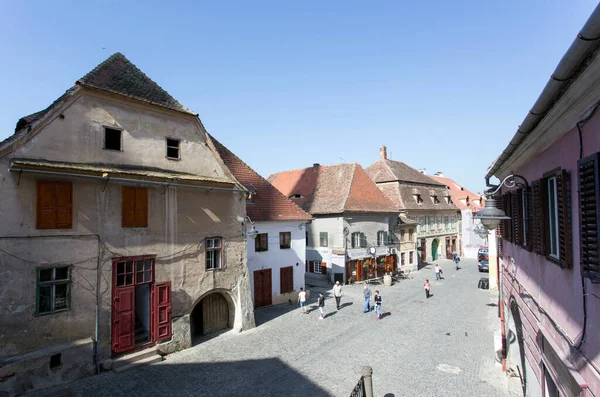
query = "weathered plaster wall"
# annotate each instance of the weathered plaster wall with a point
(276, 258)
(178, 222)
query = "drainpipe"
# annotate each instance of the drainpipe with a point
(96, 331)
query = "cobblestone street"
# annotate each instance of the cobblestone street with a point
(442, 346)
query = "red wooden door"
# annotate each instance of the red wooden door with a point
(161, 311)
(423, 251)
(123, 321)
(262, 288)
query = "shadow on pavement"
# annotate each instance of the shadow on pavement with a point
(263, 377)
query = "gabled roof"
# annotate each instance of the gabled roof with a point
(333, 189)
(460, 193)
(269, 204)
(384, 170)
(117, 75)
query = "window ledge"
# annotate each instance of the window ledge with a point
(53, 312)
(173, 158)
(215, 269)
(554, 260)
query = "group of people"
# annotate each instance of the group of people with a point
(337, 294)
(376, 306)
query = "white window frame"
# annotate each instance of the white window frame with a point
(213, 245)
(422, 224)
(431, 222)
(446, 222)
(317, 265)
(381, 237)
(553, 218)
(167, 146)
(411, 257)
(402, 258)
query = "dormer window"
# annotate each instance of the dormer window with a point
(417, 195)
(296, 196)
(173, 149)
(112, 139)
(435, 199)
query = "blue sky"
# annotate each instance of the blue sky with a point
(443, 84)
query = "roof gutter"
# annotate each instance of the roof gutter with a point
(144, 181)
(582, 47)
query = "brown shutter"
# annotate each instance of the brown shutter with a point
(306, 263)
(323, 268)
(54, 205)
(286, 279)
(141, 207)
(589, 205)
(537, 218)
(127, 206)
(507, 203)
(530, 227)
(564, 219)
(312, 266)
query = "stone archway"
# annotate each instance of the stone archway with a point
(213, 313)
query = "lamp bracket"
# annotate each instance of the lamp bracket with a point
(509, 182)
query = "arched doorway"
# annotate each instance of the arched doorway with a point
(210, 315)
(434, 249)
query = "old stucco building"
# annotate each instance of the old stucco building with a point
(422, 199)
(121, 230)
(351, 237)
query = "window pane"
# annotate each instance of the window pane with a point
(148, 270)
(209, 243)
(129, 267)
(61, 273)
(209, 259)
(129, 279)
(60, 296)
(120, 267)
(46, 274)
(217, 259)
(217, 242)
(45, 299)
(139, 276)
(120, 280)
(139, 266)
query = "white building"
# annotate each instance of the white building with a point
(275, 229)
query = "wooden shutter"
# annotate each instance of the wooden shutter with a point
(54, 205)
(286, 279)
(530, 227)
(306, 263)
(162, 306)
(506, 207)
(312, 266)
(538, 217)
(323, 268)
(564, 219)
(589, 205)
(134, 206)
(517, 216)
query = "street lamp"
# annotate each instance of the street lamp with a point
(252, 232)
(481, 231)
(491, 215)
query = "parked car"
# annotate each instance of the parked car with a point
(484, 266)
(482, 254)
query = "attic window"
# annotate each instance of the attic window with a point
(173, 148)
(296, 196)
(435, 199)
(419, 199)
(112, 139)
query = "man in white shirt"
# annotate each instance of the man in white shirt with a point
(337, 293)
(438, 272)
(302, 300)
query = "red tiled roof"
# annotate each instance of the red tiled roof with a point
(269, 204)
(462, 197)
(332, 189)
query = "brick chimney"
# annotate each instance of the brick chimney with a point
(383, 153)
(316, 167)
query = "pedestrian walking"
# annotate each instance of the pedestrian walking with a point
(438, 272)
(377, 299)
(321, 304)
(427, 287)
(367, 295)
(302, 300)
(457, 261)
(337, 293)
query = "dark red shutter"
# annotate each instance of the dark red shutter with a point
(323, 268)
(589, 216)
(123, 316)
(564, 219)
(162, 305)
(306, 266)
(529, 213)
(312, 267)
(517, 216)
(538, 215)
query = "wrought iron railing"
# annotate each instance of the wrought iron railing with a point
(359, 389)
(364, 387)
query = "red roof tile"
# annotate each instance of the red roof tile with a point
(462, 197)
(269, 204)
(332, 189)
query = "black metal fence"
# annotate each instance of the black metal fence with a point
(364, 387)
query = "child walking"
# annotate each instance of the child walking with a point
(302, 300)
(321, 304)
(377, 300)
(427, 287)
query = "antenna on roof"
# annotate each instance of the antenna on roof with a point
(343, 159)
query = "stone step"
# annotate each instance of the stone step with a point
(145, 361)
(135, 357)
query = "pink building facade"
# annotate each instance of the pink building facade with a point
(548, 252)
